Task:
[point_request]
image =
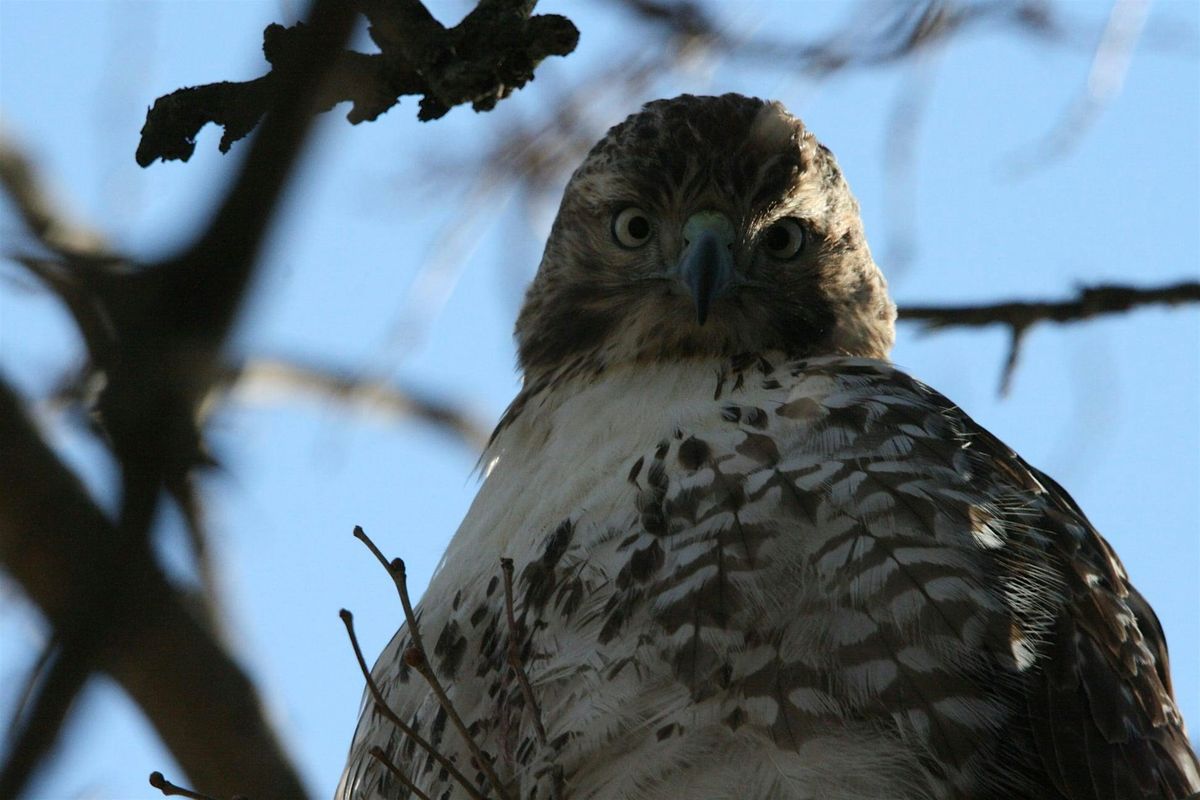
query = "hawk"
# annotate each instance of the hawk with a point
(754, 559)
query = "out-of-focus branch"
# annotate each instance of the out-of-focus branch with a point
(261, 377)
(890, 33)
(492, 52)
(55, 542)
(47, 223)
(1110, 65)
(43, 215)
(154, 336)
(1019, 317)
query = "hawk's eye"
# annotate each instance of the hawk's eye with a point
(785, 238)
(631, 227)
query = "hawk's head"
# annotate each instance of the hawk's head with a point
(699, 227)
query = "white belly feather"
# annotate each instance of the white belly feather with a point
(626, 726)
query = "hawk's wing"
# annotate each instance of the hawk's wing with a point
(1001, 627)
(1101, 706)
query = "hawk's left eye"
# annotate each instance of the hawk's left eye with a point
(631, 227)
(785, 238)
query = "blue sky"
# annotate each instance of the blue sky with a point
(1107, 407)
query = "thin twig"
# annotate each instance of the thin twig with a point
(171, 790)
(1016, 339)
(417, 657)
(394, 718)
(514, 653)
(377, 753)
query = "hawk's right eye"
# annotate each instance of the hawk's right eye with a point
(631, 227)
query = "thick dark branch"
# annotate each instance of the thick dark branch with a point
(491, 53)
(65, 673)
(155, 335)
(175, 119)
(54, 541)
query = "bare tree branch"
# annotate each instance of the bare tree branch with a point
(47, 223)
(392, 717)
(380, 756)
(515, 661)
(259, 377)
(43, 215)
(1091, 301)
(171, 790)
(482, 60)
(56, 543)
(1110, 65)
(65, 673)
(417, 657)
(875, 36)
(154, 335)
(1019, 317)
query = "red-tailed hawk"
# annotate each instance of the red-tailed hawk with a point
(753, 559)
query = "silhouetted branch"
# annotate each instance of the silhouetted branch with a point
(492, 52)
(154, 335)
(65, 672)
(61, 549)
(1092, 301)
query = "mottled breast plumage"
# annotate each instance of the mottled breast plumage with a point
(820, 565)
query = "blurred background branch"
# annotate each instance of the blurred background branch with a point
(153, 333)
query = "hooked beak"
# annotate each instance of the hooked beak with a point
(706, 262)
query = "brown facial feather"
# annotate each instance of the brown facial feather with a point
(595, 303)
